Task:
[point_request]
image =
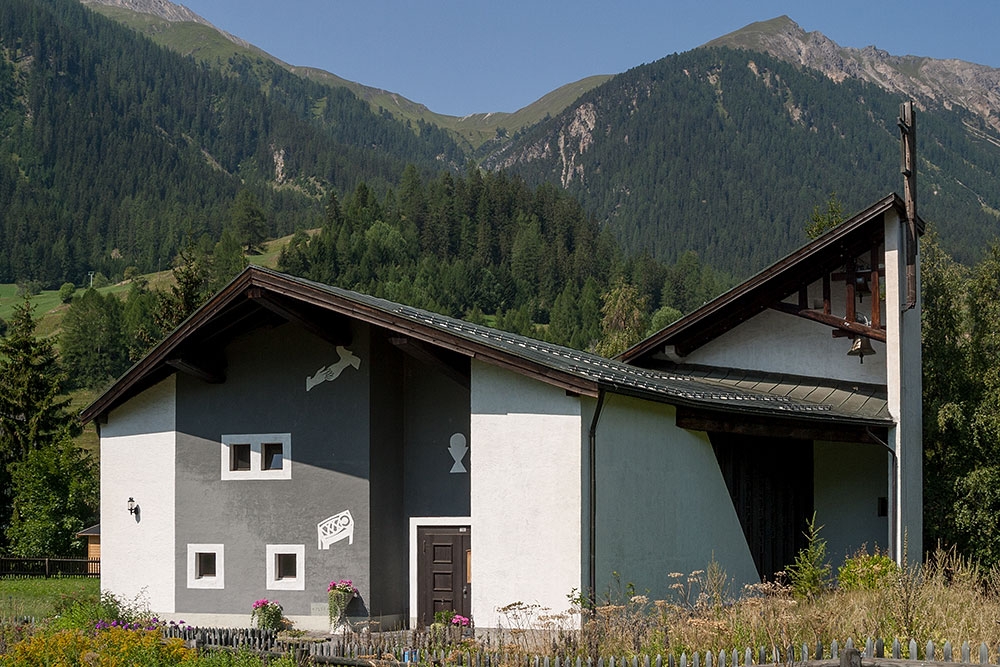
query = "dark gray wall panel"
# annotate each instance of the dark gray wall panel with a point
(265, 393)
(388, 558)
(436, 408)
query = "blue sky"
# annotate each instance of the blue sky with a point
(466, 56)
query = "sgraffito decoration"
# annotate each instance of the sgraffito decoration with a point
(336, 528)
(333, 371)
(457, 448)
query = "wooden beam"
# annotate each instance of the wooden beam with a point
(826, 293)
(207, 371)
(849, 291)
(831, 320)
(320, 324)
(876, 290)
(697, 419)
(435, 358)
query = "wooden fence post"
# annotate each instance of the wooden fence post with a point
(850, 657)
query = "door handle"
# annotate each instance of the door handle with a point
(465, 591)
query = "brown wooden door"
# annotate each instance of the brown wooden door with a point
(444, 576)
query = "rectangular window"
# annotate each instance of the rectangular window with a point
(239, 457)
(272, 456)
(285, 567)
(256, 456)
(204, 565)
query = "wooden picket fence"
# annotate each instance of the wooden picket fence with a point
(50, 567)
(342, 652)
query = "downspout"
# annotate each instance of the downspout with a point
(592, 570)
(892, 489)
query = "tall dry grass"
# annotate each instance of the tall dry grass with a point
(947, 598)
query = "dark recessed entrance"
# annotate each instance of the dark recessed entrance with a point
(770, 481)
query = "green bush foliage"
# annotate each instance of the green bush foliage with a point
(867, 572)
(66, 292)
(87, 612)
(809, 575)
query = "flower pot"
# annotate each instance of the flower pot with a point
(338, 605)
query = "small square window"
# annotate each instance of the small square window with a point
(284, 566)
(272, 456)
(204, 565)
(240, 457)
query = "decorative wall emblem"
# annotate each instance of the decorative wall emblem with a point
(336, 528)
(333, 371)
(457, 448)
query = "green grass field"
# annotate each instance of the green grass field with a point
(43, 598)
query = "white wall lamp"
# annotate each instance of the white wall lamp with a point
(132, 506)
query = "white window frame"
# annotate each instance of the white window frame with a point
(272, 582)
(216, 582)
(256, 442)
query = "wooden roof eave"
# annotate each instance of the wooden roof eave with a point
(727, 309)
(122, 389)
(154, 363)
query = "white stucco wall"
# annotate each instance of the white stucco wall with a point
(904, 388)
(525, 493)
(662, 503)
(848, 480)
(779, 342)
(137, 460)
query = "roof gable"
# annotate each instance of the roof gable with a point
(769, 287)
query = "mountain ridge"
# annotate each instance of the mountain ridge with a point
(472, 129)
(727, 151)
(948, 82)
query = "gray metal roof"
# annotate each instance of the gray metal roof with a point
(718, 388)
(92, 530)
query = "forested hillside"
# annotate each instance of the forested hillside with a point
(113, 148)
(489, 248)
(727, 152)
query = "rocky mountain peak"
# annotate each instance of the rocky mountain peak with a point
(930, 81)
(167, 11)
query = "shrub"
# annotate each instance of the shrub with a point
(113, 646)
(66, 292)
(266, 614)
(88, 613)
(809, 575)
(867, 572)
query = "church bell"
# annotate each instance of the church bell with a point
(861, 348)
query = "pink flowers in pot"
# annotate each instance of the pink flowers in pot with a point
(266, 614)
(342, 586)
(460, 621)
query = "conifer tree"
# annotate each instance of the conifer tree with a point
(33, 411)
(32, 407)
(93, 343)
(623, 321)
(248, 222)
